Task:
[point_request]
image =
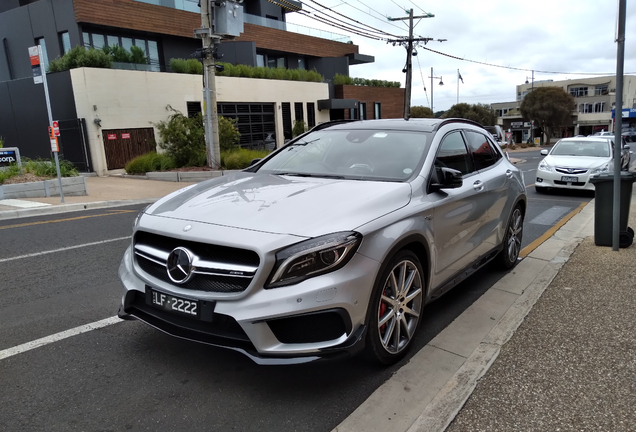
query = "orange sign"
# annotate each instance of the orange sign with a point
(56, 128)
(54, 145)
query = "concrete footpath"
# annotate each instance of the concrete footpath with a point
(550, 346)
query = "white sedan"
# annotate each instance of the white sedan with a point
(572, 162)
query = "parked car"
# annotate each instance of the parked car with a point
(498, 134)
(329, 246)
(625, 150)
(573, 161)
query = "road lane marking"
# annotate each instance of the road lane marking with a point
(550, 216)
(22, 203)
(3, 260)
(546, 235)
(58, 337)
(111, 213)
(530, 185)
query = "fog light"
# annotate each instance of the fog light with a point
(539, 179)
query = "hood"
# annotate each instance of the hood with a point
(299, 206)
(576, 161)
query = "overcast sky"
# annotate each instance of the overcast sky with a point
(558, 35)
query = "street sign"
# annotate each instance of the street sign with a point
(56, 128)
(508, 136)
(54, 145)
(125, 136)
(34, 55)
(112, 136)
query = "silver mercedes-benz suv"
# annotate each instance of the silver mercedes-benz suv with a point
(330, 245)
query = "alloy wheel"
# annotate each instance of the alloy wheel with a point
(515, 232)
(400, 307)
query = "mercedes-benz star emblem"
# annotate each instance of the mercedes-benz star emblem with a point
(179, 265)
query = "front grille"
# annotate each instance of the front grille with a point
(152, 250)
(309, 328)
(559, 182)
(571, 171)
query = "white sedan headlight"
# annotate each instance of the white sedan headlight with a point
(603, 169)
(543, 166)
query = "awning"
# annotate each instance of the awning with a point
(329, 104)
(356, 59)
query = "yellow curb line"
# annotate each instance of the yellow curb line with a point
(535, 244)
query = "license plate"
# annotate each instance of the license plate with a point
(174, 304)
(570, 179)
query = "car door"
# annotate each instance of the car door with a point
(457, 214)
(499, 196)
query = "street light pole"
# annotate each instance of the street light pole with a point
(441, 82)
(531, 120)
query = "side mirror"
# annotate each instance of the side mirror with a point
(447, 178)
(544, 152)
(627, 147)
(255, 161)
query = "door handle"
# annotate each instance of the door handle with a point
(478, 186)
(509, 173)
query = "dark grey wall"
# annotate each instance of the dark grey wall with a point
(23, 115)
(5, 5)
(262, 8)
(238, 53)
(330, 66)
(177, 47)
(21, 26)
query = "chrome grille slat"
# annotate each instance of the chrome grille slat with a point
(573, 171)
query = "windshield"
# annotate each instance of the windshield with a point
(355, 154)
(581, 148)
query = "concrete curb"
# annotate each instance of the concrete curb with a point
(179, 176)
(65, 208)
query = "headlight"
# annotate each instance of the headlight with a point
(603, 169)
(136, 221)
(313, 257)
(543, 166)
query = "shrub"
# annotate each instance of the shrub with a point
(137, 55)
(149, 162)
(300, 127)
(189, 66)
(241, 158)
(118, 53)
(12, 171)
(1, 141)
(347, 80)
(228, 134)
(81, 57)
(46, 168)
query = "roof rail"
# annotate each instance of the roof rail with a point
(457, 120)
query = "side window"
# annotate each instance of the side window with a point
(484, 154)
(453, 154)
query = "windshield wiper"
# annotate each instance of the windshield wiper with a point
(296, 174)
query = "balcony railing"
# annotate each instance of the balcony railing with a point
(185, 5)
(295, 28)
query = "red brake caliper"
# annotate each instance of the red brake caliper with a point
(382, 311)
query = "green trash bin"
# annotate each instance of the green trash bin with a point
(604, 209)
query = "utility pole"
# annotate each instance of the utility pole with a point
(408, 43)
(211, 121)
(618, 130)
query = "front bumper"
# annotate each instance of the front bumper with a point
(554, 180)
(319, 318)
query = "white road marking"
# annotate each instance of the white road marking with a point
(63, 249)
(22, 203)
(550, 216)
(58, 337)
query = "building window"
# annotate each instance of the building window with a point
(377, 111)
(112, 41)
(65, 42)
(149, 47)
(260, 60)
(311, 115)
(86, 38)
(274, 62)
(600, 90)
(45, 57)
(363, 110)
(298, 111)
(194, 108)
(578, 91)
(585, 108)
(599, 107)
(302, 63)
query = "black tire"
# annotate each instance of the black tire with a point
(508, 257)
(541, 189)
(401, 311)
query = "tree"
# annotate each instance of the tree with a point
(550, 107)
(439, 114)
(421, 112)
(481, 113)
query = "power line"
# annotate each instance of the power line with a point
(521, 69)
(349, 18)
(385, 20)
(341, 27)
(423, 84)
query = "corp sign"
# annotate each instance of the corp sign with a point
(9, 155)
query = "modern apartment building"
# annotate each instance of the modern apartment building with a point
(595, 104)
(164, 29)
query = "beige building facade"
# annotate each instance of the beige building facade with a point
(595, 99)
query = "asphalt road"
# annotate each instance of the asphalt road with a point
(129, 376)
